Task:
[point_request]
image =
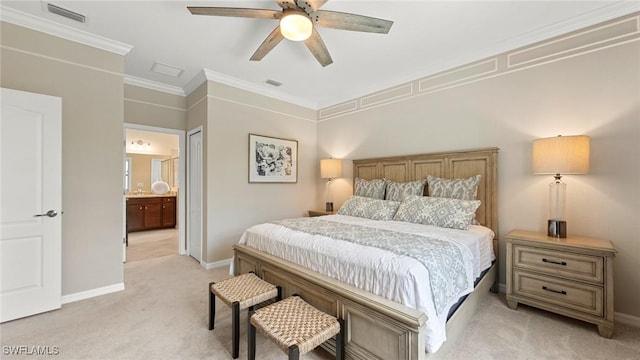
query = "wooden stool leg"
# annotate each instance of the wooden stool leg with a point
(279, 293)
(294, 352)
(340, 340)
(252, 339)
(212, 307)
(235, 328)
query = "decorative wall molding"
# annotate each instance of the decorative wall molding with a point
(153, 85)
(609, 33)
(62, 31)
(63, 61)
(594, 38)
(458, 76)
(339, 109)
(153, 104)
(394, 93)
(210, 75)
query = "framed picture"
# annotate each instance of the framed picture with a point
(272, 160)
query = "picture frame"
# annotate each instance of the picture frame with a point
(272, 159)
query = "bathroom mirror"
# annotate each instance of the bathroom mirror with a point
(169, 171)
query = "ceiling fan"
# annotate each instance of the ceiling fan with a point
(297, 19)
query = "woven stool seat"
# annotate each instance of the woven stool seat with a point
(294, 325)
(240, 292)
(247, 289)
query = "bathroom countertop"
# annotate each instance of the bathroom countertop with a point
(149, 195)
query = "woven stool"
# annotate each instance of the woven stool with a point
(240, 292)
(296, 327)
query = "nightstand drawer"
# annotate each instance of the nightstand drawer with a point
(573, 266)
(567, 294)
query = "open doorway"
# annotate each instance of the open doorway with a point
(154, 204)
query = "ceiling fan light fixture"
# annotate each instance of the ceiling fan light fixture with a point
(295, 26)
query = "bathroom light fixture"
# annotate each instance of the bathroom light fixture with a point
(330, 169)
(560, 155)
(295, 25)
(140, 145)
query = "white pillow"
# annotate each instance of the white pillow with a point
(369, 208)
(370, 188)
(398, 190)
(463, 189)
(442, 212)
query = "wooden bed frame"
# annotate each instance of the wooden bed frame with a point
(378, 328)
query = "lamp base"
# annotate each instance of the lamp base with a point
(557, 228)
(329, 207)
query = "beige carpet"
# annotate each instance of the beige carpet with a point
(162, 314)
(151, 244)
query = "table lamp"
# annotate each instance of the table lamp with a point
(560, 155)
(330, 169)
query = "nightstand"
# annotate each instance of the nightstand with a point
(572, 276)
(313, 213)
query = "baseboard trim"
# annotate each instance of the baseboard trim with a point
(627, 319)
(65, 299)
(216, 264)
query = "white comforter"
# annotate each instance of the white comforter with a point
(398, 278)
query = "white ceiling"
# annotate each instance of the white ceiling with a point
(426, 37)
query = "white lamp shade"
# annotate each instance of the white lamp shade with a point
(295, 26)
(330, 168)
(561, 155)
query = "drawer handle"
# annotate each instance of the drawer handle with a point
(554, 262)
(561, 292)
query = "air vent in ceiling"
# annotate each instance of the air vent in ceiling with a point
(54, 9)
(273, 82)
(165, 69)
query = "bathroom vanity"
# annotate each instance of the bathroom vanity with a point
(148, 212)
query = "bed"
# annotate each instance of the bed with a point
(377, 326)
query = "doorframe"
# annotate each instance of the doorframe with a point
(182, 247)
(199, 129)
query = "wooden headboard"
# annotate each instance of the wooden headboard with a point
(448, 165)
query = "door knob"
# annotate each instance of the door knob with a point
(50, 213)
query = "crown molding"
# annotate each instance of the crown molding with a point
(153, 85)
(62, 31)
(210, 75)
(608, 12)
(195, 82)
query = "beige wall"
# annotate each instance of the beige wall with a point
(90, 83)
(148, 107)
(232, 203)
(596, 93)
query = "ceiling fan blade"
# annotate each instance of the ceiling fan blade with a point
(313, 4)
(268, 44)
(318, 48)
(353, 22)
(287, 4)
(235, 12)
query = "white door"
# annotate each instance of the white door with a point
(194, 191)
(30, 214)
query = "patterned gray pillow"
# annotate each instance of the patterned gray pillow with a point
(369, 208)
(370, 188)
(443, 212)
(396, 191)
(463, 189)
